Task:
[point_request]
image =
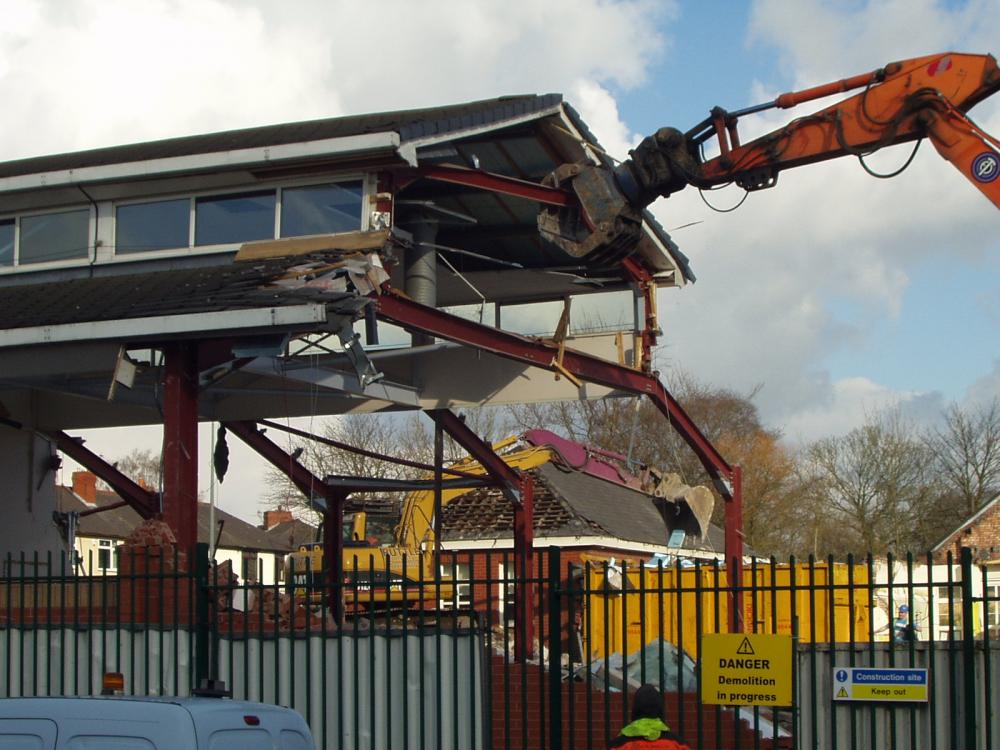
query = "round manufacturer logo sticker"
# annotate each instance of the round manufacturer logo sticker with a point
(986, 167)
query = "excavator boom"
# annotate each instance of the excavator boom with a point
(925, 97)
(904, 101)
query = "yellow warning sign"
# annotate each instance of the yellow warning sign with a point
(746, 670)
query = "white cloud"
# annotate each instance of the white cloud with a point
(99, 72)
(773, 273)
(986, 388)
(821, 40)
(87, 73)
(849, 403)
(599, 110)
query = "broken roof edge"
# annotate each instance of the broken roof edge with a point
(654, 230)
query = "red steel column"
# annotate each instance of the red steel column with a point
(734, 552)
(524, 589)
(180, 443)
(333, 553)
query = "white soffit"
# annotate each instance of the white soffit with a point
(129, 328)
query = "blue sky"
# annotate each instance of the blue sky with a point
(836, 293)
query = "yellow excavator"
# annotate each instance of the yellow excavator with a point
(405, 571)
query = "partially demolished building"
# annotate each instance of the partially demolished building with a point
(366, 263)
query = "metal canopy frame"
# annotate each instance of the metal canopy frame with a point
(395, 308)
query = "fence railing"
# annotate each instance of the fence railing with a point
(385, 661)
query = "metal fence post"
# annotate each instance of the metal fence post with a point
(555, 651)
(202, 635)
(968, 650)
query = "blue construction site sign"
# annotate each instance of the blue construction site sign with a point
(901, 685)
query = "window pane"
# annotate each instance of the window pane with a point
(54, 236)
(234, 218)
(152, 226)
(321, 209)
(7, 242)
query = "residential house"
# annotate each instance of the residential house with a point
(929, 587)
(587, 517)
(281, 526)
(255, 555)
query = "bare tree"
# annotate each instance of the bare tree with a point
(774, 498)
(967, 451)
(878, 481)
(143, 467)
(409, 437)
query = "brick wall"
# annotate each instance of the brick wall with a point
(982, 536)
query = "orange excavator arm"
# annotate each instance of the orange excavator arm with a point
(925, 97)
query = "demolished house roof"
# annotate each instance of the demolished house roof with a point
(570, 503)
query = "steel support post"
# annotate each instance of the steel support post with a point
(524, 570)
(333, 554)
(519, 489)
(180, 443)
(438, 491)
(646, 288)
(969, 651)
(555, 633)
(734, 562)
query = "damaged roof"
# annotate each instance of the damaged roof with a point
(569, 503)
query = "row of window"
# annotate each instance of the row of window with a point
(180, 223)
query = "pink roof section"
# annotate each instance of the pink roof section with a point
(586, 458)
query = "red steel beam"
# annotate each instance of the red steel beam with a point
(508, 479)
(143, 501)
(304, 480)
(398, 309)
(524, 565)
(497, 183)
(309, 485)
(519, 489)
(394, 307)
(643, 279)
(734, 561)
(180, 443)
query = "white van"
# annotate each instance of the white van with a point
(149, 723)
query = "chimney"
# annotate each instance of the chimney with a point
(273, 517)
(85, 486)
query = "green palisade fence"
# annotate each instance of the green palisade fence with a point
(435, 666)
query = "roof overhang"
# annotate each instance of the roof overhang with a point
(330, 150)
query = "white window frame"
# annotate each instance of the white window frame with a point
(461, 586)
(366, 180)
(948, 620)
(992, 596)
(505, 590)
(108, 546)
(65, 263)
